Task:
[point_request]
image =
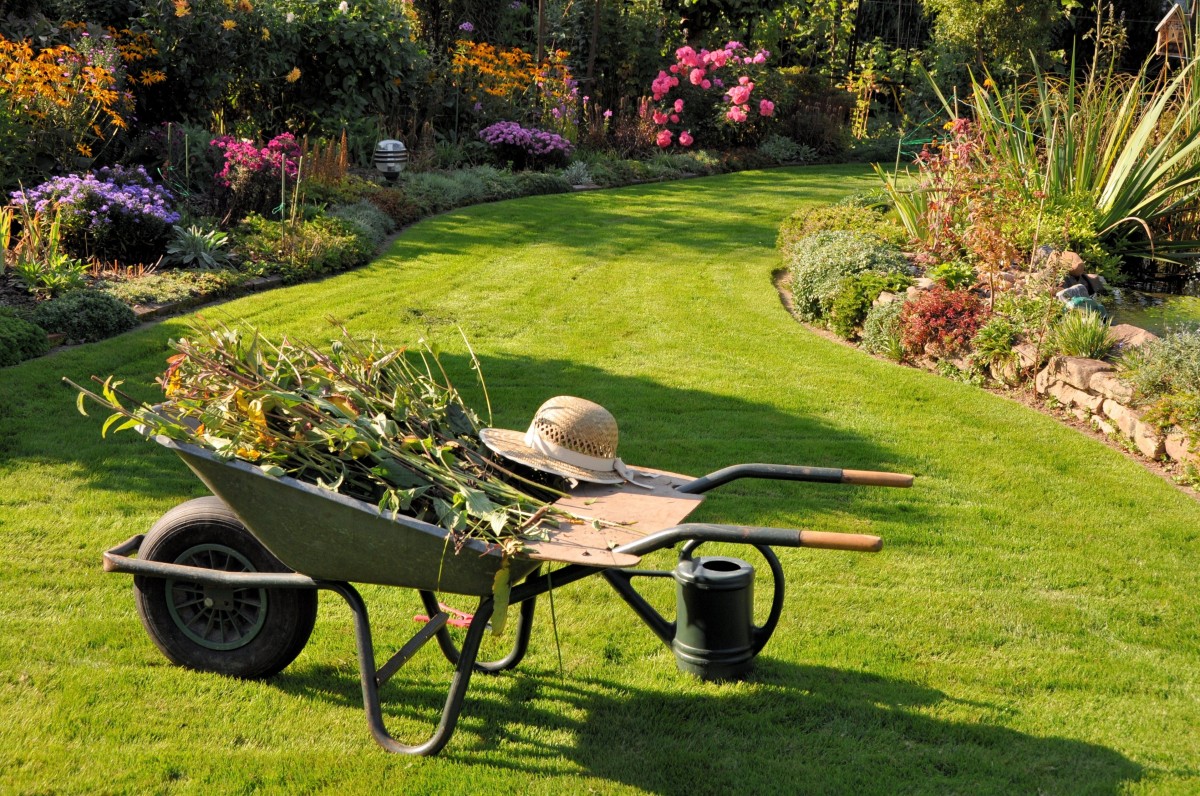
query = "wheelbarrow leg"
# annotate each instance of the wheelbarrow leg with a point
(524, 629)
(370, 676)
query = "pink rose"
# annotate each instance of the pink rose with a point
(736, 114)
(743, 80)
(766, 108)
(664, 138)
(740, 95)
(696, 76)
(685, 138)
(760, 57)
(674, 118)
(660, 117)
(679, 106)
(706, 85)
(674, 69)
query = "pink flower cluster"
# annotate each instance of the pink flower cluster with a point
(699, 68)
(243, 158)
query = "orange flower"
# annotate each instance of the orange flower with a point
(293, 75)
(182, 9)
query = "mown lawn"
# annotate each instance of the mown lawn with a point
(1032, 625)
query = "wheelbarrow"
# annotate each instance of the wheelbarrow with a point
(228, 583)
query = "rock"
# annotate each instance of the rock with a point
(1070, 262)
(1004, 372)
(914, 292)
(1107, 384)
(1122, 416)
(1070, 396)
(924, 283)
(1104, 425)
(1148, 440)
(1008, 276)
(885, 298)
(1131, 336)
(1043, 381)
(1076, 371)
(1176, 447)
(1027, 353)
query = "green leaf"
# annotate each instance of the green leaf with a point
(501, 592)
(79, 404)
(273, 470)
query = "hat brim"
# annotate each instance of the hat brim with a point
(511, 445)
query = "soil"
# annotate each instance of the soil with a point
(1024, 395)
(13, 293)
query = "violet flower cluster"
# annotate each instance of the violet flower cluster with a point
(244, 159)
(533, 142)
(115, 212)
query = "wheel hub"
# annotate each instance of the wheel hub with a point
(216, 618)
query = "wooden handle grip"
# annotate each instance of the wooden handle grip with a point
(825, 540)
(869, 478)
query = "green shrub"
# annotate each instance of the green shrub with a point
(376, 224)
(995, 341)
(782, 149)
(820, 262)
(85, 316)
(19, 339)
(535, 183)
(855, 296)
(166, 287)
(881, 331)
(954, 275)
(498, 184)
(828, 218)
(302, 250)
(1165, 366)
(1082, 334)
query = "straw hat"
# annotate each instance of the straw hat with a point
(570, 437)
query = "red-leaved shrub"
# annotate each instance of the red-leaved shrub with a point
(941, 322)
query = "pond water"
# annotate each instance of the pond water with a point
(1156, 312)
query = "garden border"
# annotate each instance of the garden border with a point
(1027, 395)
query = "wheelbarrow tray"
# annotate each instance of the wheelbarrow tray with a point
(329, 536)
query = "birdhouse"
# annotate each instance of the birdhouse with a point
(1173, 30)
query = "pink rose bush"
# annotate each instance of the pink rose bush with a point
(701, 72)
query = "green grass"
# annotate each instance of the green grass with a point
(1031, 625)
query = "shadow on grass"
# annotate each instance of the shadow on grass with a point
(791, 729)
(683, 430)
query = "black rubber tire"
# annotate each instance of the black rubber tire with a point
(206, 532)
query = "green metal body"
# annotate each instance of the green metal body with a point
(715, 637)
(328, 536)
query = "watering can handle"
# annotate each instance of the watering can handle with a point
(762, 633)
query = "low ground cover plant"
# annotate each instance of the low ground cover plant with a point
(85, 316)
(819, 263)
(20, 339)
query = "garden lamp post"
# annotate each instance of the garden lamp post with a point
(390, 158)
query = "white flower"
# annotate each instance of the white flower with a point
(290, 17)
(343, 6)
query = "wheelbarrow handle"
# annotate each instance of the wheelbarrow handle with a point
(790, 472)
(742, 534)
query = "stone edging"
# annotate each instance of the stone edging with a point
(1090, 390)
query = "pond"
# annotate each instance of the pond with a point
(1156, 312)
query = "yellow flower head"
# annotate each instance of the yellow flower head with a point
(229, 24)
(989, 83)
(266, 35)
(293, 75)
(182, 9)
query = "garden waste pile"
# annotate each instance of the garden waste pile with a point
(381, 425)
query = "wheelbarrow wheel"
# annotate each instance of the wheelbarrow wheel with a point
(250, 633)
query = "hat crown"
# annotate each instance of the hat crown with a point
(578, 425)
